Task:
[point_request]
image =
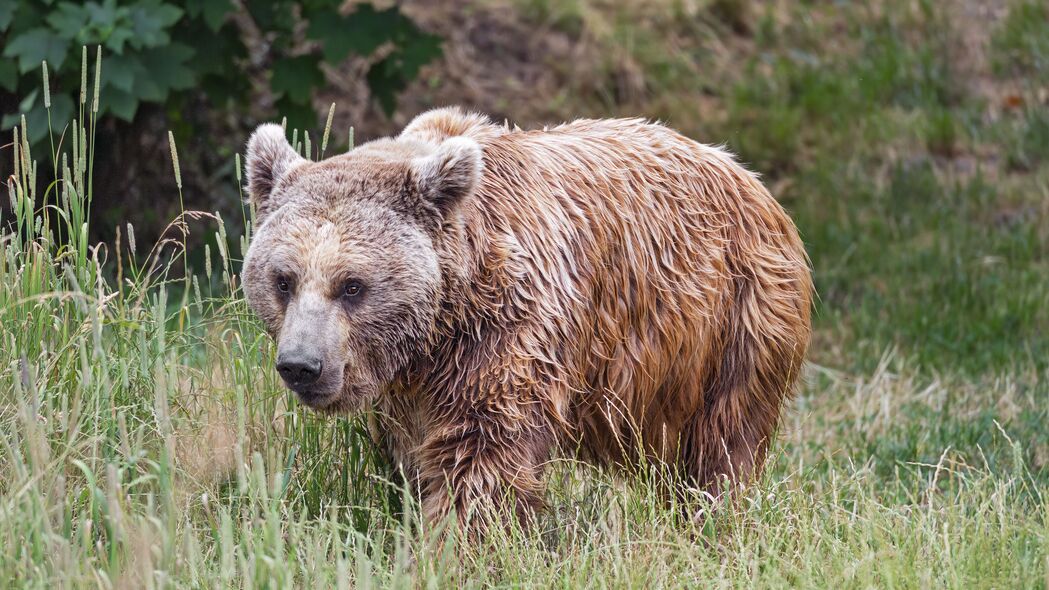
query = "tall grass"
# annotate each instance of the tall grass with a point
(135, 400)
(145, 442)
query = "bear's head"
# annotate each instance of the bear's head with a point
(344, 268)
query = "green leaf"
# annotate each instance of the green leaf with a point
(9, 120)
(168, 66)
(36, 116)
(121, 71)
(384, 83)
(339, 38)
(28, 101)
(417, 52)
(106, 23)
(61, 112)
(7, 13)
(117, 38)
(360, 33)
(392, 74)
(296, 77)
(8, 75)
(150, 89)
(310, 7)
(216, 53)
(92, 23)
(34, 46)
(300, 116)
(272, 16)
(151, 21)
(213, 12)
(106, 14)
(366, 30)
(68, 20)
(119, 102)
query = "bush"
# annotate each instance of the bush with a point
(158, 51)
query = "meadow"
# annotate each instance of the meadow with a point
(146, 441)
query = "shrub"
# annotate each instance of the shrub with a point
(157, 51)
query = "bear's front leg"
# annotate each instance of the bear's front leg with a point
(482, 460)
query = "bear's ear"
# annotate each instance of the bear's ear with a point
(450, 174)
(269, 158)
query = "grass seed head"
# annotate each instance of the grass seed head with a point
(131, 237)
(327, 128)
(174, 159)
(47, 88)
(83, 76)
(98, 79)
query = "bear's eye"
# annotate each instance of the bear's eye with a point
(352, 289)
(283, 285)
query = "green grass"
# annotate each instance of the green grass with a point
(921, 232)
(1021, 45)
(146, 441)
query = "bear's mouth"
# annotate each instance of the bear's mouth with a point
(327, 395)
(314, 398)
(333, 401)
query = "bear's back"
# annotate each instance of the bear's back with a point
(649, 273)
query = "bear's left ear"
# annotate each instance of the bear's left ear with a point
(269, 158)
(450, 174)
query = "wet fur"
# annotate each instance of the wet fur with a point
(602, 287)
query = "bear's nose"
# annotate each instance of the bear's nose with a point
(299, 371)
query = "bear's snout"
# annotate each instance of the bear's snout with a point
(299, 369)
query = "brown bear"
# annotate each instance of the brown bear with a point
(603, 287)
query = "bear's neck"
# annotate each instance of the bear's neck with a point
(478, 261)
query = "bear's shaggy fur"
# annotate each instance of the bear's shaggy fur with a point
(603, 287)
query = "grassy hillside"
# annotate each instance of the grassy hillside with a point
(146, 441)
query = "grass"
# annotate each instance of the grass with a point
(145, 440)
(1021, 45)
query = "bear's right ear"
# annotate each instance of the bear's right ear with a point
(450, 174)
(269, 158)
